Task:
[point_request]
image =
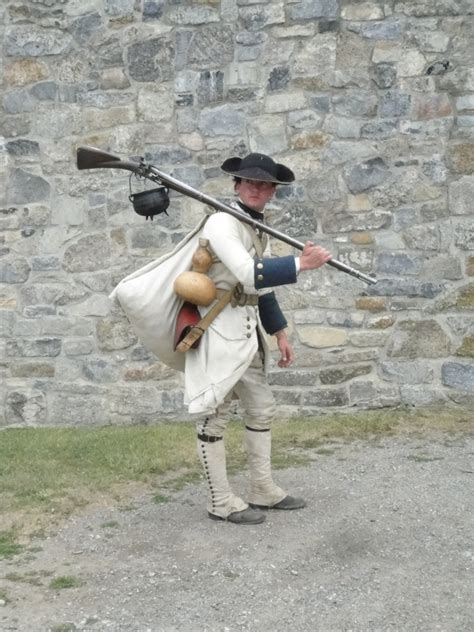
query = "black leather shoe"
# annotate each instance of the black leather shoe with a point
(246, 516)
(289, 502)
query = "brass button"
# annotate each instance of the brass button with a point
(260, 277)
(260, 266)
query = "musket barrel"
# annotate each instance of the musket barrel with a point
(181, 187)
(93, 158)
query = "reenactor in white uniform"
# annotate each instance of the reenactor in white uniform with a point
(232, 355)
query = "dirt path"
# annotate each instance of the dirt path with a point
(384, 544)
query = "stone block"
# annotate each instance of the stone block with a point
(366, 175)
(347, 222)
(279, 78)
(113, 335)
(25, 71)
(18, 101)
(423, 237)
(89, 253)
(319, 337)
(470, 266)
(364, 394)
(32, 370)
(411, 63)
(192, 15)
(23, 147)
(40, 347)
(380, 322)
(28, 41)
(461, 157)
(285, 102)
(267, 134)
(201, 48)
(15, 271)
(461, 195)
(225, 120)
(336, 375)
(419, 339)
(464, 234)
(368, 338)
(287, 397)
(308, 140)
(361, 259)
(151, 60)
(421, 396)
(362, 11)
(412, 372)
(25, 407)
(325, 398)
(25, 187)
(77, 409)
(293, 377)
(394, 104)
(258, 17)
(77, 347)
(458, 375)
(467, 347)
(431, 106)
(389, 29)
(7, 321)
(315, 58)
(311, 9)
(100, 371)
(398, 263)
(119, 8)
(371, 304)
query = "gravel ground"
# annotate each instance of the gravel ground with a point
(384, 544)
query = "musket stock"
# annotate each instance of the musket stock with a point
(93, 158)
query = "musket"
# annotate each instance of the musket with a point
(93, 158)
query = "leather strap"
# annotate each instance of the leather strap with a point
(197, 331)
(208, 438)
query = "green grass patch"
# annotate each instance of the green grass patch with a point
(52, 471)
(65, 581)
(159, 499)
(9, 545)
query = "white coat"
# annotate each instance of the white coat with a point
(230, 343)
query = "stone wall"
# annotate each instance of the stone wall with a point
(371, 104)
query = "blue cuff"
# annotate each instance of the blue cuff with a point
(271, 316)
(273, 272)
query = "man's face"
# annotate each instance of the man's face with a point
(255, 193)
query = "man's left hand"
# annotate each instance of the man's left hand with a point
(287, 355)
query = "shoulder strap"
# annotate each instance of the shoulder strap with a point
(259, 243)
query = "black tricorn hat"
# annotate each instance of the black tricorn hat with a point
(258, 167)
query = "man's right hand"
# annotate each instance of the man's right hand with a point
(313, 256)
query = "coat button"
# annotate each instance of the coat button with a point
(248, 335)
(260, 277)
(260, 266)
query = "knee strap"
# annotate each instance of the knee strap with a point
(257, 429)
(207, 438)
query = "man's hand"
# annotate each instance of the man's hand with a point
(287, 354)
(313, 256)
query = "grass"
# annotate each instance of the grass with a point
(45, 473)
(8, 544)
(65, 581)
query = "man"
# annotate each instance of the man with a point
(232, 357)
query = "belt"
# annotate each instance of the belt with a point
(239, 298)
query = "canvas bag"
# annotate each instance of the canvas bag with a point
(150, 303)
